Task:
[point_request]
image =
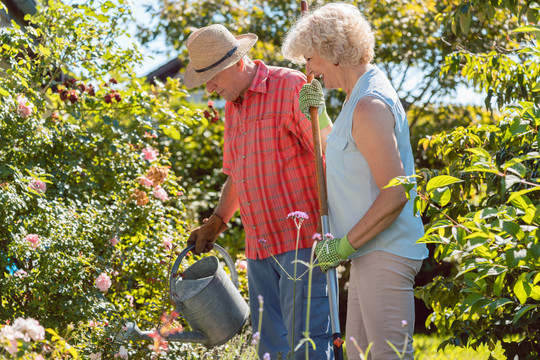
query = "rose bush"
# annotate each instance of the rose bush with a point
(82, 235)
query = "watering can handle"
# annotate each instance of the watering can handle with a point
(222, 251)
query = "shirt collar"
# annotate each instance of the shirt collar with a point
(258, 84)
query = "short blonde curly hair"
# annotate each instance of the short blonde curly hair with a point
(338, 32)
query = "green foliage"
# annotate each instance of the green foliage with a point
(72, 163)
(483, 207)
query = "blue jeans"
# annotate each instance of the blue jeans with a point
(285, 306)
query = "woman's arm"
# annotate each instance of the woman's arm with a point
(373, 132)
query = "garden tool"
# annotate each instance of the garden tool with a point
(207, 298)
(331, 274)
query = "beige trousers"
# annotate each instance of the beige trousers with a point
(380, 300)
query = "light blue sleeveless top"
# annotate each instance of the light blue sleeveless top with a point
(351, 187)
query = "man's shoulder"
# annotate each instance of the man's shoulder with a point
(286, 74)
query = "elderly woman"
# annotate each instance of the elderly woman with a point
(368, 145)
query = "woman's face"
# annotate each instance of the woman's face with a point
(321, 68)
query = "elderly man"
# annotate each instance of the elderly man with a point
(269, 160)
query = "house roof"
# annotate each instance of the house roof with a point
(17, 9)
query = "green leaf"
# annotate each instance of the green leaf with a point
(517, 195)
(498, 303)
(527, 29)
(499, 284)
(522, 289)
(3, 92)
(522, 312)
(441, 181)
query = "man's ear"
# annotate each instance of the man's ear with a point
(240, 64)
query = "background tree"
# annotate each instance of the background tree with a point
(483, 202)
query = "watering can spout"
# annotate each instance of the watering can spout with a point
(132, 332)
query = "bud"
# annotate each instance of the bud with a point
(73, 96)
(64, 95)
(91, 90)
(117, 97)
(108, 98)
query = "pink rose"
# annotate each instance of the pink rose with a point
(241, 264)
(160, 193)
(113, 241)
(103, 282)
(24, 107)
(96, 356)
(167, 243)
(150, 154)
(144, 181)
(33, 239)
(38, 185)
(122, 353)
(20, 273)
(30, 327)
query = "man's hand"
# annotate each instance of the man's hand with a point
(312, 95)
(205, 235)
(333, 252)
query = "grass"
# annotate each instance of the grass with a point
(425, 348)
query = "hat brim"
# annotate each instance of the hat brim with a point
(193, 79)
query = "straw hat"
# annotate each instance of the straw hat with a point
(212, 49)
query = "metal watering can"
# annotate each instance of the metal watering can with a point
(208, 300)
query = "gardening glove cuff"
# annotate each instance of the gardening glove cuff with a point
(312, 95)
(205, 235)
(331, 253)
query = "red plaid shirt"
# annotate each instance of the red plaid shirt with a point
(268, 154)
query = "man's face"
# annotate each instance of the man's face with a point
(226, 83)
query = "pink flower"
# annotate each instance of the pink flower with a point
(144, 181)
(23, 109)
(103, 282)
(241, 264)
(20, 273)
(329, 236)
(160, 193)
(39, 357)
(256, 337)
(9, 336)
(167, 243)
(266, 356)
(122, 352)
(403, 323)
(38, 185)
(96, 356)
(30, 327)
(92, 323)
(317, 237)
(298, 215)
(130, 298)
(150, 154)
(33, 239)
(210, 103)
(113, 241)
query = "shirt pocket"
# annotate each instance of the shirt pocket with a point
(335, 155)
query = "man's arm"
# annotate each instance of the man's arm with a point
(228, 201)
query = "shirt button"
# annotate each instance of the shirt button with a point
(243, 157)
(245, 133)
(248, 204)
(243, 180)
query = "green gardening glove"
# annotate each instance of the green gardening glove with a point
(332, 252)
(312, 95)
